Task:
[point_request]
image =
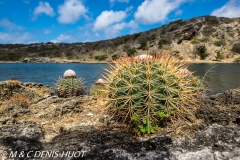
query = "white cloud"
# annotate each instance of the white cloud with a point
(71, 11)
(132, 24)
(113, 30)
(154, 11)
(231, 9)
(121, 1)
(47, 31)
(14, 37)
(9, 25)
(26, 1)
(107, 18)
(97, 34)
(43, 8)
(178, 12)
(62, 38)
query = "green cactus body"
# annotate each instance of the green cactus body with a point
(144, 92)
(69, 86)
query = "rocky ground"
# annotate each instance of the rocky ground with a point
(34, 120)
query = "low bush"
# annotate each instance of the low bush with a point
(101, 57)
(219, 43)
(196, 40)
(219, 56)
(114, 57)
(237, 60)
(203, 52)
(131, 52)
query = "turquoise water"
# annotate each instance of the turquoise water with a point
(220, 78)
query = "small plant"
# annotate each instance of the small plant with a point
(203, 52)
(114, 57)
(237, 60)
(219, 56)
(69, 85)
(144, 92)
(219, 43)
(19, 100)
(181, 57)
(131, 52)
(196, 40)
(101, 57)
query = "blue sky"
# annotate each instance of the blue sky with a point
(34, 21)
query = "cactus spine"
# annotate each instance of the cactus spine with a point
(69, 85)
(142, 92)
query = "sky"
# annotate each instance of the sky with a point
(73, 21)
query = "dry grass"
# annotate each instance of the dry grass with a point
(19, 100)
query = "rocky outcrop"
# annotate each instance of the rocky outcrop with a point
(78, 124)
(38, 60)
(180, 30)
(33, 91)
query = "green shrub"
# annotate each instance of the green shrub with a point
(114, 57)
(219, 55)
(237, 60)
(203, 52)
(219, 43)
(196, 40)
(131, 52)
(181, 57)
(145, 93)
(101, 57)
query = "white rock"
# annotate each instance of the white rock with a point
(90, 114)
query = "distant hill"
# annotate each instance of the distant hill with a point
(205, 38)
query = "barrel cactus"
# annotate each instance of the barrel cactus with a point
(142, 92)
(69, 85)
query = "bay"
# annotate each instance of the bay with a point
(219, 78)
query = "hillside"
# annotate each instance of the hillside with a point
(201, 39)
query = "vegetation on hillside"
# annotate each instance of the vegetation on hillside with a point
(198, 31)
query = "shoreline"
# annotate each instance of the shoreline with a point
(105, 62)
